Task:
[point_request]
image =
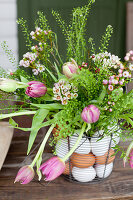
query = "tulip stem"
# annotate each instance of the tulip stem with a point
(125, 159)
(42, 145)
(25, 112)
(76, 144)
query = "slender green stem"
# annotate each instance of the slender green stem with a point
(42, 145)
(76, 144)
(4, 116)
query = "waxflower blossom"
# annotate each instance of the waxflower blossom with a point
(131, 67)
(110, 87)
(126, 74)
(64, 91)
(52, 168)
(90, 114)
(25, 175)
(70, 68)
(129, 56)
(36, 89)
(105, 82)
(35, 71)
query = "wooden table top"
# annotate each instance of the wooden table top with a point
(118, 186)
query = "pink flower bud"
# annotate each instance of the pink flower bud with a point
(52, 168)
(70, 68)
(120, 75)
(110, 110)
(36, 89)
(90, 114)
(126, 58)
(121, 82)
(25, 175)
(120, 71)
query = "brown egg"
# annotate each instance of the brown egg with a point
(102, 159)
(67, 169)
(82, 160)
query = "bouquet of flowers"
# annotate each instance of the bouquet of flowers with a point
(84, 94)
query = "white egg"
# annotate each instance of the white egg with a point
(62, 148)
(84, 174)
(103, 171)
(83, 147)
(100, 147)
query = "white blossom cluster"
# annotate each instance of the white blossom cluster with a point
(28, 58)
(107, 60)
(63, 91)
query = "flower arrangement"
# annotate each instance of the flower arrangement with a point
(86, 92)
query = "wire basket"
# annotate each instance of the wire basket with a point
(92, 160)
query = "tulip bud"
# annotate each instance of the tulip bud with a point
(9, 85)
(90, 114)
(25, 175)
(36, 89)
(70, 68)
(52, 168)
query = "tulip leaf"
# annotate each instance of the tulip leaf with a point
(47, 97)
(15, 125)
(54, 106)
(102, 95)
(130, 121)
(58, 72)
(23, 79)
(38, 118)
(54, 78)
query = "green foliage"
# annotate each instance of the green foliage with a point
(88, 85)
(92, 45)
(105, 39)
(42, 22)
(3, 73)
(75, 32)
(68, 118)
(26, 32)
(38, 118)
(9, 54)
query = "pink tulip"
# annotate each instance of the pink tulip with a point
(70, 68)
(131, 158)
(25, 175)
(52, 168)
(36, 89)
(90, 114)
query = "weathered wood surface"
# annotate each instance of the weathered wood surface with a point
(119, 186)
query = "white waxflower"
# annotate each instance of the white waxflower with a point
(32, 33)
(131, 67)
(26, 63)
(57, 97)
(64, 101)
(41, 68)
(38, 29)
(21, 62)
(33, 48)
(125, 74)
(35, 71)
